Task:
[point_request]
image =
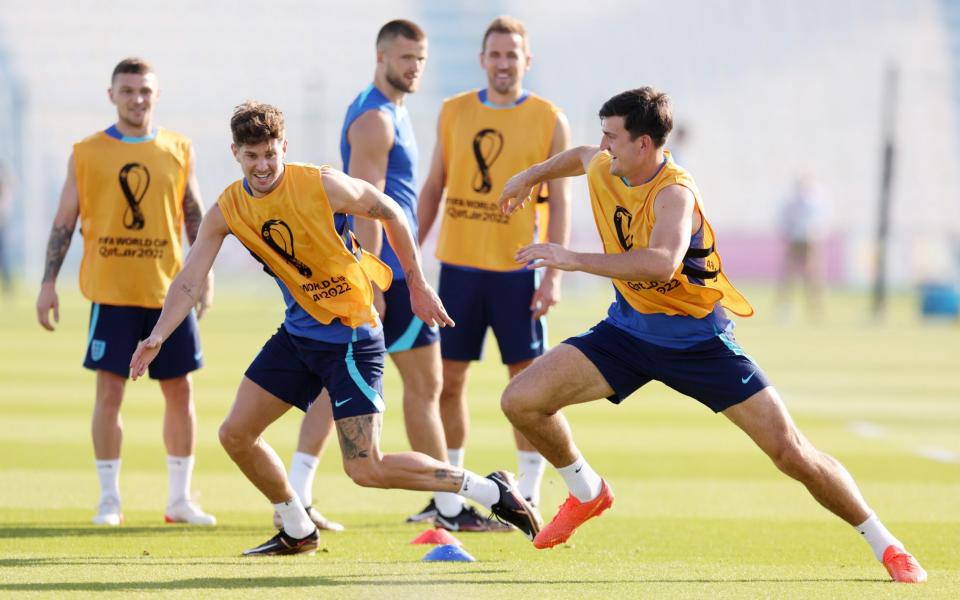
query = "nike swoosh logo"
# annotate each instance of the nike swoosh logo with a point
(747, 378)
(578, 470)
(339, 403)
(198, 356)
(535, 345)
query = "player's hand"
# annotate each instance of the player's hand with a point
(546, 296)
(48, 300)
(515, 193)
(379, 302)
(206, 296)
(547, 255)
(425, 303)
(146, 351)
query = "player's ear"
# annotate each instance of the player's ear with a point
(236, 152)
(283, 148)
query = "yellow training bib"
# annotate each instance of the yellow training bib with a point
(483, 146)
(291, 231)
(131, 216)
(625, 218)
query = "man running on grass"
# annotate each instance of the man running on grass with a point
(667, 323)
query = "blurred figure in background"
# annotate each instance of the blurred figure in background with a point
(804, 221)
(7, 185)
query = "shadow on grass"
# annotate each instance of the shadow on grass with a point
(226, 583)
(73, 530)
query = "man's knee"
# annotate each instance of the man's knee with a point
(234, 439)
(365, 472)
(795, 457)
(518, 399)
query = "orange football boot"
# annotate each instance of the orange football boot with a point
(902, 566)
(573, 514)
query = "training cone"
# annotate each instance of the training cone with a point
(448, 553)
(438, 537)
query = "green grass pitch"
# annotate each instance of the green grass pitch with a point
(700, 513)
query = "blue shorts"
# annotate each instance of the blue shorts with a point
(476, 300)
(403, 330)
(295, 369)
(115, 332)
(716, 372)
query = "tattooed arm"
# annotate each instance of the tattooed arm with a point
(192, 216)
(63, 225)
(357, 197)
(371, 137)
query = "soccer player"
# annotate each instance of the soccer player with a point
(134, 188)
(483, 137)
(377, 145)
(291, 217)
(667, 323)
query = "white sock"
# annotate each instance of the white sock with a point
(302, 469)
(296, 523)
(479, 489)
(877, 536)
(530, 474)
(109, 473)
(582, 480)
(455, 456)
(448, 504)
(179, 473)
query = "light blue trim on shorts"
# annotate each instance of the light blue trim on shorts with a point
(93, 323)
(372, 395)
(734, 347)
(405, 341)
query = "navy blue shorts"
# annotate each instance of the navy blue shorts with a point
(115, 332)
(295, 369)
(403, 330)
(716, 372)
(476, 300)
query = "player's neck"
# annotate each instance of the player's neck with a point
(133, 131)
(506, 99)
(392, 94)
(648, 169)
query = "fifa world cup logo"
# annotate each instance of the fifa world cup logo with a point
(487, 145)
(134, 181)
(621, 224)
(278, 236)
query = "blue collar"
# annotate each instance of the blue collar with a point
(115, 133)
(482, 96)
(660, 168)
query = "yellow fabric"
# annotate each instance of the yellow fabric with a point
(625, 219)
(131, 216)
(482, 148)
(291, 230)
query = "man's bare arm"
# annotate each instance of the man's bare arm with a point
(431, 195)
(675, 210)
(569, 163)
(64, 224)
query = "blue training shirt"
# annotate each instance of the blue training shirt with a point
(401, 180)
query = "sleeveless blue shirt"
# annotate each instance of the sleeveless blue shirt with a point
(401, 180)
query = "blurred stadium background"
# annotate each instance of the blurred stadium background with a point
(765, 91)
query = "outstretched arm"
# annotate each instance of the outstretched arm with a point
(357, 197)
(64, 224)
(192, 217)
(569, 163)
(184, 292)
(371, 137)
(675, 210)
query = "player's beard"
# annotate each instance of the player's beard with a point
(399, 83)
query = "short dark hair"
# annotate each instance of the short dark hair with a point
(132, 64)
(256, 122)
(645, 111)
(398, 27)
(506, 24)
